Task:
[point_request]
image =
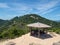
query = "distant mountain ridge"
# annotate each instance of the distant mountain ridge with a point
(57, 20)
(2, 22)
(17, 26)
(29, 18)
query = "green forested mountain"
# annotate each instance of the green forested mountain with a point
(57, 20)
(17, 26)
(31, 18)
(2, 22)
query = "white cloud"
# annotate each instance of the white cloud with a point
(47, 11)
(58, 15)
(42, 8)
(3, 5)
(47, 7)
(20, 7)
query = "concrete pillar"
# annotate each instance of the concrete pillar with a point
(30, 30)
(45, 30)
(38, 33)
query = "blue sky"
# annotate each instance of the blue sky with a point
(49, 9)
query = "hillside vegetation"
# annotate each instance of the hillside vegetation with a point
(17, 26)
